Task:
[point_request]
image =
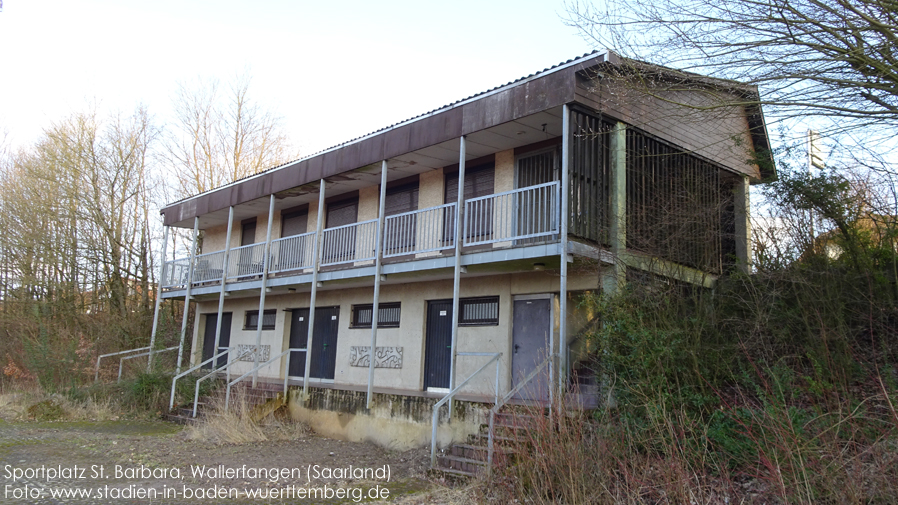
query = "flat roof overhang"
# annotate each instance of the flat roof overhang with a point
(507, 117)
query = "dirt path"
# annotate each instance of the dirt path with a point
(125, 462)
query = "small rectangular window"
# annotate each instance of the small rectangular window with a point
(483, 311)
(252, 319)
(387, 315)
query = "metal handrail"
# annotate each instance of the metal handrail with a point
(500, 404)
(121, 362)
(196, 392)
(450, 394)
(97, 373)
(272, 360)
(171, 403)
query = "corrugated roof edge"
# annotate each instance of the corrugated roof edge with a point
(572, 61)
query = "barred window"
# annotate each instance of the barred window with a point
(483, 311)
(252, 319)
(387, 315)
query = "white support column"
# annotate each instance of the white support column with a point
(190, 267)
(565, 185)
(266, 253)
(459, 240)
(159, 282)
(378, 268)
(316, 259)
(224, 278)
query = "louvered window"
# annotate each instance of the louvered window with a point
(387, 315)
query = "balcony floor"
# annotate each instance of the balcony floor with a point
(479, 262)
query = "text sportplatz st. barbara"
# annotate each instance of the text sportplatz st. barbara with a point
(312, 482)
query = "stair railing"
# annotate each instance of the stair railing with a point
(171, 403)
(121, 362)
(451, 394)
(196, 391)
(97, 372)
(500, 404)
(262, 365)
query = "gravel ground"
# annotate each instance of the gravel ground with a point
(116, 461)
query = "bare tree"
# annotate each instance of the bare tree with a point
(835, 58)
(221, 135)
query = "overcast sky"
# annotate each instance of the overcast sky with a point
(333, 70)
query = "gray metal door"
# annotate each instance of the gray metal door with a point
(530, 345)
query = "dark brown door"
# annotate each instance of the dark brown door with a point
(400, 235)
(209, 337)
(324, 342)
(340, 246)
(479, 181)
(438, 344)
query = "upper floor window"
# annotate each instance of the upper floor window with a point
(294, 222)
(479, 181)
(248, 232)
(252, 319)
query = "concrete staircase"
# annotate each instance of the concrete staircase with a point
(264, 399)
(470, 459)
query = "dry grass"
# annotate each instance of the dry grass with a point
(236, 426)
(27, 401)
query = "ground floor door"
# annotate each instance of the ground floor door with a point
(324, 342)
(209, 337)
(438, 344)
(531, 329)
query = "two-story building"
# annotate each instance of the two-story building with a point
(472, 228)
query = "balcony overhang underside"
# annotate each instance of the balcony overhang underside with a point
(477, 263)
(524, 131)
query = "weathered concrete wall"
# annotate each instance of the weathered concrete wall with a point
(395, 421)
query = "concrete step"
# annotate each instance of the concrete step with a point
(459, 464)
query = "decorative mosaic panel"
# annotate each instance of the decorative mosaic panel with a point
(264, 352)
(385, 357)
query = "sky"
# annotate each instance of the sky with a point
(332, 70)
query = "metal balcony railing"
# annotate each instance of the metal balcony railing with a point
(246, 261)
(349, 243)
(292, 253)
(174, 274)
(520, 214)
(420, 231)
(209, 267)
(519, 217)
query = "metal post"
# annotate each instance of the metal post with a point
(158, 297)
(316, 258)
(459, 239)
(565, 182)
(378, 249)
(618, 235)
(190, 266)
(264, 287)
(224, 278)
